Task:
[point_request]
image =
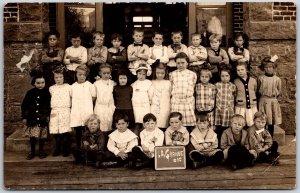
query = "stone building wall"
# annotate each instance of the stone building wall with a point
(23, 33)
(270, 35)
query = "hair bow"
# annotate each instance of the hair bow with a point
(274, 58)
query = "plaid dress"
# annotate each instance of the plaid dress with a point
(183, 101)
(225, 93)
(205, 100)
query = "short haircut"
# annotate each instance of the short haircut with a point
(207, 71)
(53, 32)
(36, 74)
(201, 116)
(121, 116)
(163, 67)
(138, 30)
(149, 117)
(265, 61)
(105, 65)
(225, 68)
(195, 34)
(260, 115)
(116, 36)
(241, 63)
(176, 32)
(239, 118)
(245, 38)
(84, 68)
(175, 114)
(158, 33)
(92, 118)
(182, 55)
(123, 73)
(215, 36)
(98, 33)
(75, 35)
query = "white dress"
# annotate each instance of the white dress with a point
(82, 102)
(104, 106)
(140, 99)
(60, 109)
(160, 93)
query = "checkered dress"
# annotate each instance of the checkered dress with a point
(205, 100)
(224, 103)
(183, 101)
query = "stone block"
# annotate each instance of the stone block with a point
(18, 85)
(260, 11)
(288, 111)
(30, 12)
(31, 32)
(286, 70)
(11, 32)
(279, 135)
(13, 113)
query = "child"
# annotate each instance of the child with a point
(92, 142)
(174, 49)
(246, 88)
(183, 83)
(141, 97)
(151, 137)
(205, 93)
(83, 94)
(161, 96)
(239, 51)
(269, 88)
(216, 56)
(96, 55)
(235, 144)
(205, 143)
(120, 144)
(104, 106)
(122, 94)
(176, 134)
(74, 56)
(138, 52)
(52, 57)
(158, 53)
(117, 56)
(261, 141)
(35, 114)
(197, 54)
(225, 93)
(59, 124)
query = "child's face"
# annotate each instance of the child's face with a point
(138, 37)
(123, 80)
(58, 78)
(81, 76)
(204, 77)
(241, 71)
(239, 41)
(116, 43)
(160, 74)
(260, 123)
(141, 75)
(158, 39)
(76, 42)
(93, 126)
(52, 40)
(269, 69)
(181, 64)
(175, 123)
(215, 44)
(150, 125)
(98, 41)
(176, 38)
(236, 126)
(105, 73)
(225, 76)
(122, 125)
(39, 83)
(196, 40)
(202, 125)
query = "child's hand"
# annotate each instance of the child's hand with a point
(154, 139)
(253, 152)
(205, 145)
(174, 143)
(153, 57)
(85, 143)
(145, 149)
(97, 77)
(93, 146)
(114, 57)
(122, 155)
(24, 121)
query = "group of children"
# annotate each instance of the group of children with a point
(198, 96)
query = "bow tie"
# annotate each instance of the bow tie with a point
(217, 52)
(176, 46)
(134, 44)
(238, 50)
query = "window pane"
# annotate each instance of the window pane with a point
(142, 19)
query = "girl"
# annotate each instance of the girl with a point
(246, 88)
(52, 57)
(96, 55)
(176, 134)
(205, 94)
(59, 124)
(92, 142)
(35, 114)
(105, 106)
(183, 84)
(160, 94)
(83, 94)
(269, 88)
(122, 94)
(141, 97)
(225, 93)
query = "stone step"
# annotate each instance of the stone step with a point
(279, 135)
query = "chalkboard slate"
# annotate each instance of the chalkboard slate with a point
(170, 157)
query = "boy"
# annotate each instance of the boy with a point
(151, 137)
(176, 134)
(74, 55)
(197, 54)
(138, 52)
(261, 140)
(216, 56)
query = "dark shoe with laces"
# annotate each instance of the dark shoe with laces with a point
(42, 155)
(30, 156)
